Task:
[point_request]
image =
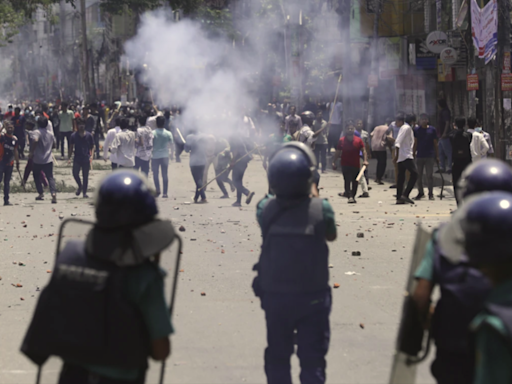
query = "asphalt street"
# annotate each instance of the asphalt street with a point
(220, 328)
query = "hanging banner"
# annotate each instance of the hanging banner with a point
(506, 82)
(439, 14)
(472, 82)
(506, 62)
(484, 29)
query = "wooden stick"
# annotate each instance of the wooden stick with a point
(361, 173)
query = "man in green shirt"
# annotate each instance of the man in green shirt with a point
(66, 126)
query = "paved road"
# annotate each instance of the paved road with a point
(221, 336)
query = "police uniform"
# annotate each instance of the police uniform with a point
(293, 285)
(105, 305)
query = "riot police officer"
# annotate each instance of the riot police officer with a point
(463, 288)
(293, 271)
(487, 227)
(103, 311)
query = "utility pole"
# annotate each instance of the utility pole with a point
(346, 83)
(503, 107)
(374, 66)
(85, 55)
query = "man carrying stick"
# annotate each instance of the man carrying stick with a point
(348, 149)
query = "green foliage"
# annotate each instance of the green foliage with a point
(188, 7)
(117, 7)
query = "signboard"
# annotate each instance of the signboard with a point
(437, 41)
(506, 62)
(506, 82)
(373, 81)
(448, 56)
(391, 53)
(472, 82)
(411, 93)
(424, 58)
(484, 29)
(444, 72)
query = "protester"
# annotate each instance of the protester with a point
(196, 145)
(321, 129)
(404, 158)
(111, 134)
(443, 132)
(8, 155)
(479, 146)
(18, 121)
(221, 164)
(348, 149)
(162, 141)
(460, 142)
(425, 151)
(66, 118)
(123, 145)
(379, 145)
(292, 122)
(239, 163)
(41, 152)
(82, 146)
(55, 120)
(144, 146)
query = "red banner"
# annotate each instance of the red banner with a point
(472, 82)
(506, 82)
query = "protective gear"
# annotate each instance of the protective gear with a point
(463, 291)
(290, 171)
(485, 175)
(488, 228)
(124, 199)
(74, 303)
(294, 255)
(307, 117)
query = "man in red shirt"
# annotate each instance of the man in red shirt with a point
(349, 148)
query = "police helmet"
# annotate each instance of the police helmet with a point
(291, 169)
(307, 117)
(485, 175)
(487, 227)
(124, 199)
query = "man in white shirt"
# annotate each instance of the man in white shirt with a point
(144, 146)
(123, 146)
(479, 146)
(404, 158)
(111, 134)
(335, 124)
(292, 122)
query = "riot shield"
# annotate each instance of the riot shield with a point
(169, 260)
(410, 337)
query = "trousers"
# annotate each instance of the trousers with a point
(5, 177)
(47, 169)
(197, 174)
(457, 168)
(67, 136)
(382, 159)
(452, 368)
(403, 166)
(85, 167)
(156, 164)
(426, 164)
(445, 153)
(349, 175)
(321, 155)
(142, 165)
(238, 179)
(308, 314)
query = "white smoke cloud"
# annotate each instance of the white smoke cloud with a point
(183, 66)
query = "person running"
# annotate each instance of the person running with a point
(144, 145)
(43, 141)
(348, 149)
(66, 118)
(82, 146)
(221, 165)
(425, 150)
(162, 141)
(239, 163)
(8, 155)
(196, 145)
